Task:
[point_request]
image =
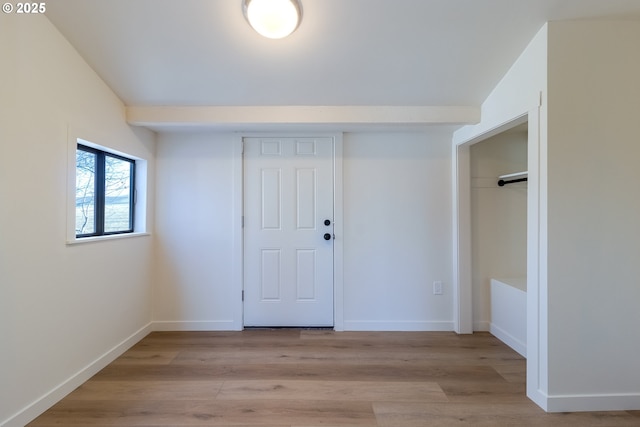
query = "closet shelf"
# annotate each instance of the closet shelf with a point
(511, 178)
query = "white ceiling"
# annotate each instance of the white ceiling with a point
(345, 52)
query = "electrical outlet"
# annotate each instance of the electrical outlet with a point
(437, 288)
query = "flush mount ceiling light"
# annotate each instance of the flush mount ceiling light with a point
(274, 19)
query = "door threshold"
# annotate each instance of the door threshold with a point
(299, 328)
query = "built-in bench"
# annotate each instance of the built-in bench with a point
(509, 312)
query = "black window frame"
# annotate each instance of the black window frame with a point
(100, 196)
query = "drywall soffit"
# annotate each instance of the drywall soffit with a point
(251, 117)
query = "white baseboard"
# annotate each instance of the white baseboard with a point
(587, 403)
(366, 325)
(40, 405)
(508, 339)
(209, 325)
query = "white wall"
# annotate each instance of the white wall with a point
(195, 283)
(517, 93)
(498, 218)
(520, 95)
(397, 223)
(397, 218)
(62, 308)
(593, 206)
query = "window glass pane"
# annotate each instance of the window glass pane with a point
(117, 194)
(85, 192)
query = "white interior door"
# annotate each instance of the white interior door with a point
(288, 232)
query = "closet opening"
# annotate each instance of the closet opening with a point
(498, 225)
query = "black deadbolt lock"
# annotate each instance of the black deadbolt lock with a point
(327, 222)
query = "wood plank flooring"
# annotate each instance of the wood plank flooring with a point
(313, 378)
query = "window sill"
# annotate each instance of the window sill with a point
(82, 240)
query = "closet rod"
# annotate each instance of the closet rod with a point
(506, 179)
(502, 182)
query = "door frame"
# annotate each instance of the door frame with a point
(338, 218)
(462, 260)
(537, 254)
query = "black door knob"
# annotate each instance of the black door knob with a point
(327, 222)
(327, 236)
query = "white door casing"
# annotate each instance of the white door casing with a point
(288, 264)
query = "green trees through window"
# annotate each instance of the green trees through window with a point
(104, 192)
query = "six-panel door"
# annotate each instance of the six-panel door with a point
(288, 261)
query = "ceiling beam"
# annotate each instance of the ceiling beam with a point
(224, 116)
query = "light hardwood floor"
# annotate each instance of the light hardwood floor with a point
(313, 378)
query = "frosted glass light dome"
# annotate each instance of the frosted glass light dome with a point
(274, 19)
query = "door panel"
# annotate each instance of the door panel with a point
(306, 203)
(305, 274)
(288, 265)
(271, 201)
(270, 282)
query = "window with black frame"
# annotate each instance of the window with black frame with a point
(105, 189)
